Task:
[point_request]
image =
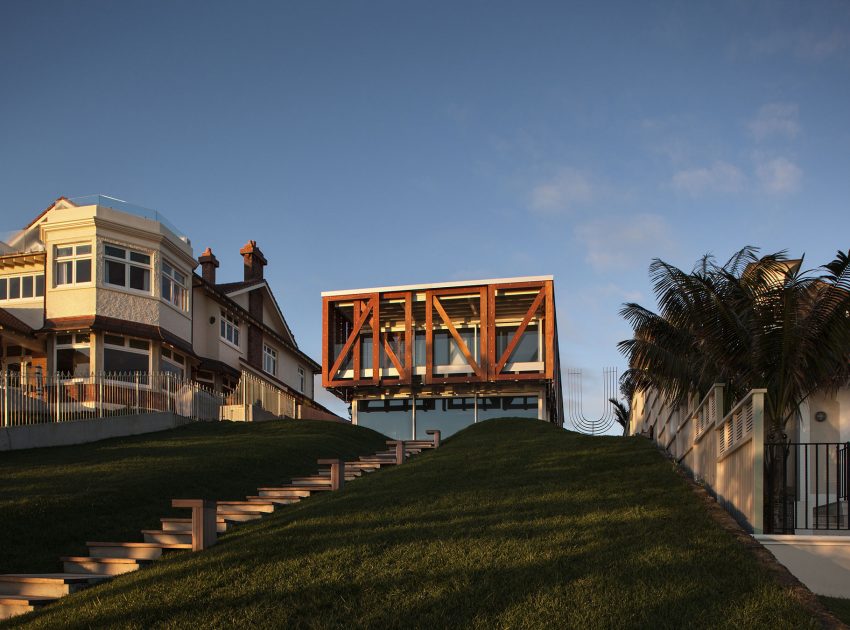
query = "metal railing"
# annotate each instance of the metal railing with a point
(252, 390)
(807, 486)
(33, 398)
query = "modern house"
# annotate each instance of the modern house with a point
(442, 356)
(98, 286)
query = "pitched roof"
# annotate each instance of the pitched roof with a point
(235, 288)
(7, 320)
(227, 301)
(230, 287)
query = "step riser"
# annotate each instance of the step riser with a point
(243, 517)
(7, 611)
(96, 567)
(284, 493)
(40, 589)
(169, 538)
(277, 500)
(171, 526)
(248, 508)
(143, 553)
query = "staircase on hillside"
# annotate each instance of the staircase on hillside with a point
(22, 593)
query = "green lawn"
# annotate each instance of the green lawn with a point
(53, 500)
(512, 524)
(839, 607)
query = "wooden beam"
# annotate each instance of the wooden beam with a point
(550, 330)
(491, 331)
(535, 305)
(358, 324)
(483, 341)
(326, 357)
(358, 307)
(429, 337)
(392, 355)
(409, 337)
(458, 339)
(376, 338)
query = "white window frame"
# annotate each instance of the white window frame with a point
(127, 348)
(7, 280)
(229, 324)
(74, 345)
(167, 354)
(73, 259)
(269, 357)
(128, 263)
(179, 299)
(302, 380)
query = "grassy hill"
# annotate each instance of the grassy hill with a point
(513, 523)
(52, 500)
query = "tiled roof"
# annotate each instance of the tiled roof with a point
(7, 320)
(229, 287)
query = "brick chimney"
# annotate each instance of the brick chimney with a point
(209, 263)
(254, 261)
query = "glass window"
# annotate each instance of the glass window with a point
(4, 288)
(449, 415)
(229, 328)
(127, 268)
(393, 418)
(124, 356)
(27, 287)
(173, 288)
(73, 354)
(507, 407)
(527, 350)
(301, 382)
(269, 360)
(14, 288)
(172, 362)
(72, 265)
(39, 285)
(366, 352)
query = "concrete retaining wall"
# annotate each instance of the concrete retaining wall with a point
(820, 562)
(83, 431)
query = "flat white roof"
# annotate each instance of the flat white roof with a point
(438, 285)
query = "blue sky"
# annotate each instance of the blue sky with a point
(377, 143)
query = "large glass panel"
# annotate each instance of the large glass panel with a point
(449, 415)
(73, 361)
(14, 288)
(393, 418)
(84, 270)
(115, 273)
(27, 287)
(115, 360)
(366, 352)
(140, 279)
(3, 290)
(527, 348)
(507, 407)
(419, 350)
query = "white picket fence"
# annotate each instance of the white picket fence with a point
(37, 399)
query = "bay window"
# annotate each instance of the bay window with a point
(127, 268)
(174, 286)
(125, 355)
(73, 355)
(72, 265)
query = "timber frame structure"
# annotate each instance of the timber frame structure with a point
(486, 337)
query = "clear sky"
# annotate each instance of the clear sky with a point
(376, 143)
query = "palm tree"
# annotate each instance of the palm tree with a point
(622, 413)
(754, 322)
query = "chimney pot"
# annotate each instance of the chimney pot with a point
(209, 263)
(254, 261)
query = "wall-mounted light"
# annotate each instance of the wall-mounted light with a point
(212, 319)
(820, 416)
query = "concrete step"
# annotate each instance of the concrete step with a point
(308, 487)
(283, 492)
(185, 524)
(47, 584)
(101, 566)
(169, 538)
(245, 506)
(275, 500)
(140, 550)
(13, 605)
(311, 481)
(241, 516)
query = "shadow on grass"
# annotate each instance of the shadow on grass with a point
(510, 524)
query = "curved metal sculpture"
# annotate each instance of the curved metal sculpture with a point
(575, 402)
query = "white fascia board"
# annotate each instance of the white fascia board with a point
(438, 285)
